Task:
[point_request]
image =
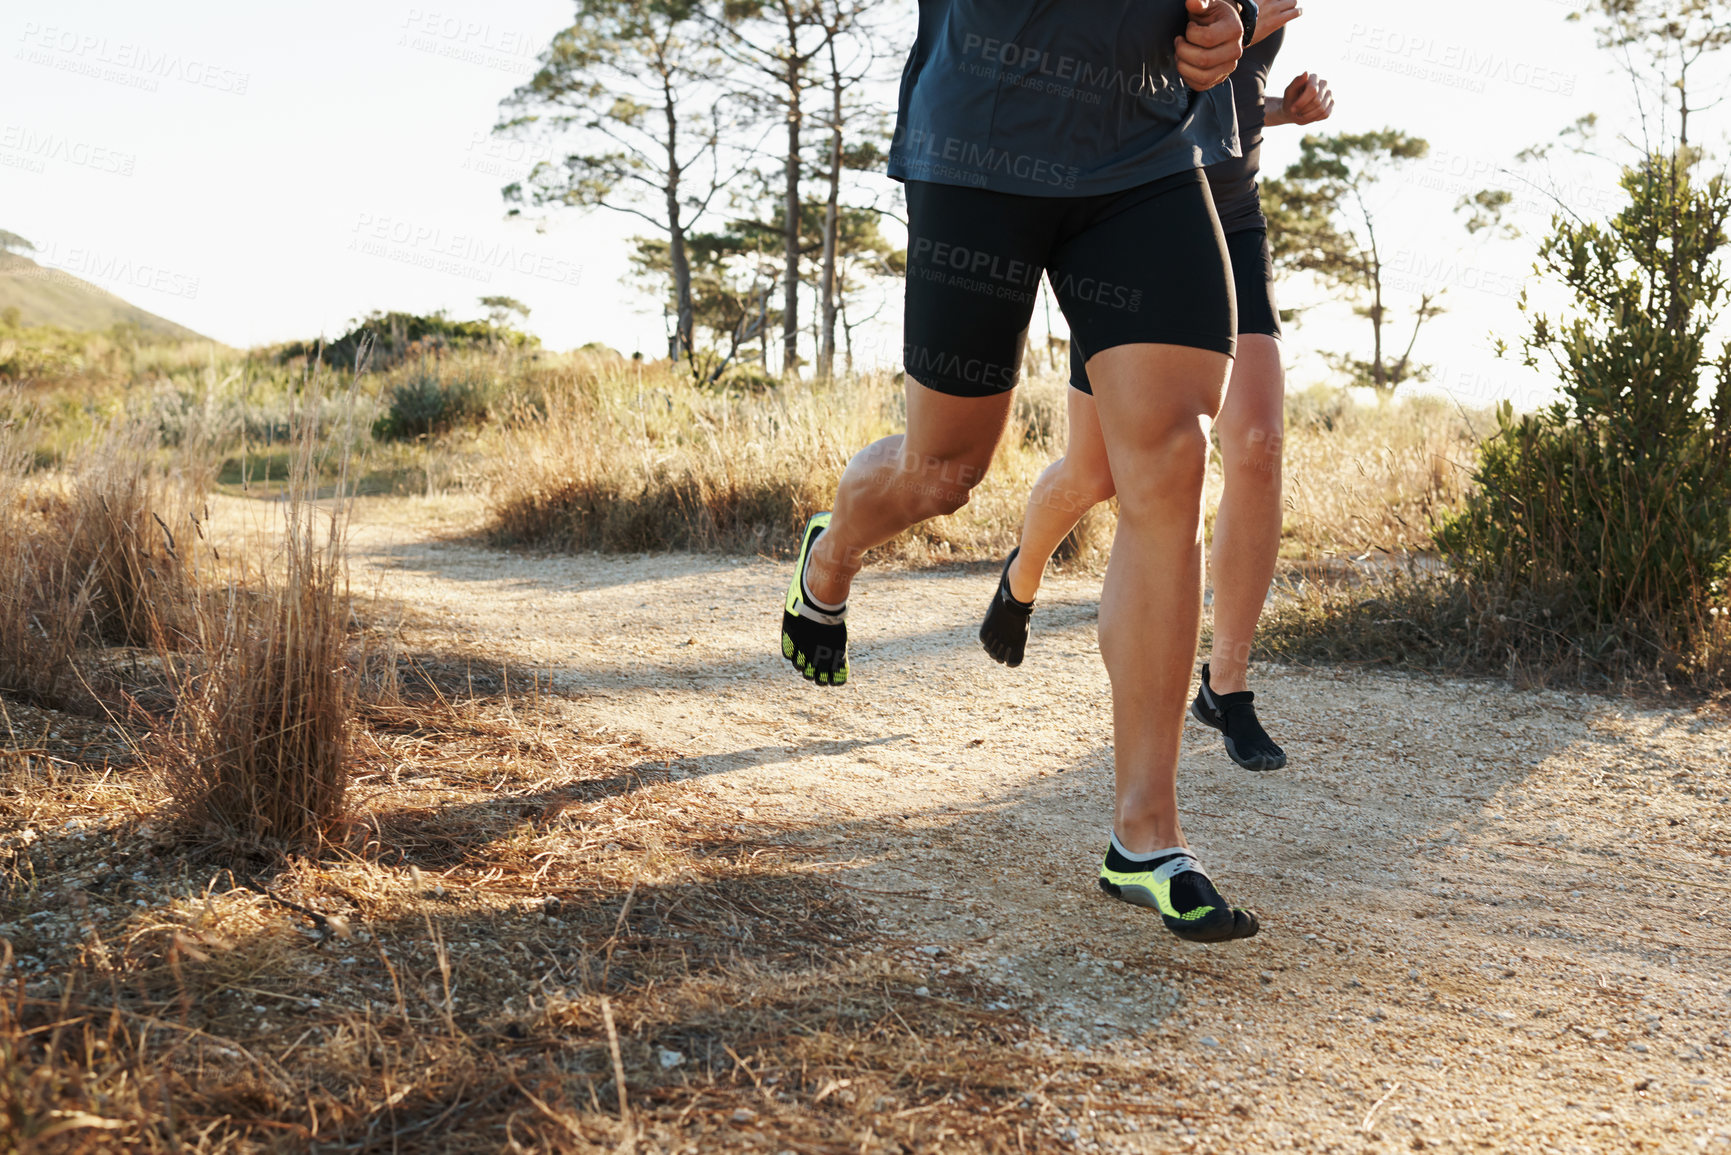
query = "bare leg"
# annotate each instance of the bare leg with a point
(1067, 489)
(1247, 527)
(901, 481)
(1155, 402)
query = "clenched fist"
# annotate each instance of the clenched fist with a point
(1211, 45)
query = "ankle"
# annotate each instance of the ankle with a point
(1025, 586)
(1145, 835)
(823, 579)
(1228, 679)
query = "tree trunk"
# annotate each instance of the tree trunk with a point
(1378, 371)
(685, 326)
(763, 328)
(831, 225)
(846, 331)
(790, 221)
(684, 337)
(1683, 109)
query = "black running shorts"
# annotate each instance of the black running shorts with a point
(1147, 265)
(1253, 282)
(1253, 286)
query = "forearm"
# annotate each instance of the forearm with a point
(1274, 111)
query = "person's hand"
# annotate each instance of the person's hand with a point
(1307, 100)
(1272, 15)
(1211, 45)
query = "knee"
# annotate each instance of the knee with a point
(1173, 467)
(1076, 486)
(1094, 484)
(937, 486)
(943, 501)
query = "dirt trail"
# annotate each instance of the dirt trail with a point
(1492, 919)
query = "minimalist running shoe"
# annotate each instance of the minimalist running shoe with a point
(1174, 883)
(1004, 633)
(1234, 715)
(813, 635)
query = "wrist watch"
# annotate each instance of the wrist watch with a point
(1247, 13)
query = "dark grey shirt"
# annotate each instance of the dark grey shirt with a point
(1053, 98)
(1233, 181)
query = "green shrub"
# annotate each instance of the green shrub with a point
(426, 404)
(382, 340)
(1612, 507)
(748, 377)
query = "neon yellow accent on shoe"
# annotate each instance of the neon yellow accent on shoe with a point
(812, 638)
(796, 603)
(1154, 887)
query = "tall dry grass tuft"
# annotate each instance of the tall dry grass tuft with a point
(255, 755)
(631, 462)
(89, 557)
(41, 605)
(129, 523)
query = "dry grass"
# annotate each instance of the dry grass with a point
(90, 556)
(256, 664)
(612, 458)
(1372, 477)
(119, 524)
(591, 451)
(40, 620)
(1412, 614)
(608, 461)
(256, 751)
(532, 943)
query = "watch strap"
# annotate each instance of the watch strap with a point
(1247, 13)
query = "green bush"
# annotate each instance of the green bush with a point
(382, 340)
(426, 404)
(1612, 507)
(748, 377)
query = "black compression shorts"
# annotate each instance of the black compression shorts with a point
(1147, 265)
(1253, 286)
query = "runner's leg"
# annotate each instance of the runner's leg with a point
(1145, 284)
(900, 481)
(1246, 546)
(1155, 402)
(975, 259)
(1067, 489)
(1247, 529)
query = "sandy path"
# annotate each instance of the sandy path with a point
(1491, 919)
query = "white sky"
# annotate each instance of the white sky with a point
(265, 173)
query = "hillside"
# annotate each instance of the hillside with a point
(45, 296)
